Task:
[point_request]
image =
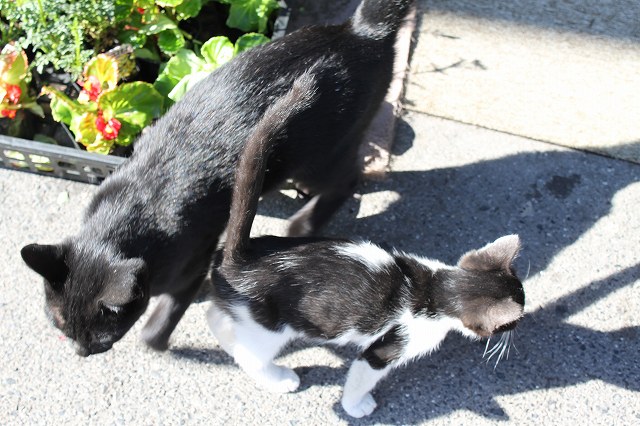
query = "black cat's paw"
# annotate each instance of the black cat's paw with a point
(155, 342)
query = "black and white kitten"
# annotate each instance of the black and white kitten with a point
(153, 225)
(394, 306)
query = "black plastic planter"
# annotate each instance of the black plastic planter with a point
(77, 164)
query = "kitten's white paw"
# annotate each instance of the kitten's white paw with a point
(361, 408)
(281, 380)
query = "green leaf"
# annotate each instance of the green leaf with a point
(34, 108)
(147, 54)
(187, 84)
(188, 9)
(135, 105)
(170, 41)
(101, 145)
(159, 24)
(13, 65)
(183, 63)
(134, 38)
(123, 9)
(105, 68)
(250, 15)
(63, 109)
(217, 50)
(145, 4)
(84, 128)
(169, 3)
(247, 41)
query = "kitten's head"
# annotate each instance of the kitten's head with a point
(484, 291)
(92, 295)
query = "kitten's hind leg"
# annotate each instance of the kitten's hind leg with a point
(254, 348)
(167, 314)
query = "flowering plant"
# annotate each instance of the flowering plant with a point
(146, 24)
(105, 113)
(14, 76)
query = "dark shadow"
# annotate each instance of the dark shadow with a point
(549, 198)
(202, 355)
(618, 20)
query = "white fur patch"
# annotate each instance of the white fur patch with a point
(354, 337)
(369, 254)
(356, 399)
(432, 264)
(423, 334)
(254, 347)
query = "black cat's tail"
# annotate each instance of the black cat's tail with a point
(253, 162)
(379, 19)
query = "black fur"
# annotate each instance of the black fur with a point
(169, 203)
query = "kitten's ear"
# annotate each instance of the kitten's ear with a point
(48, 261)
(499, 255)
(125, 284)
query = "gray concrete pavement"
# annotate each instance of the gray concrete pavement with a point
(452, 187)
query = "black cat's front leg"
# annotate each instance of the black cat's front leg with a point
(365, 372)
(167, 314)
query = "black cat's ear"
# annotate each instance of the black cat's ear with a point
(125, 284)
(498, 255)
(48, 261)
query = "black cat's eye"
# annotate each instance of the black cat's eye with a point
(110, 309)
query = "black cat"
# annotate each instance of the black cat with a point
(153, 225)
(394, 306)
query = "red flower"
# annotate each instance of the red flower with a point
(140, 10)
(108, 129)
(92, 87)
(13, 93)
(10, 113)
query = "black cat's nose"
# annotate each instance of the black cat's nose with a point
(81, 350)
(91, 349)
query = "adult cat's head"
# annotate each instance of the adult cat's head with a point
(92, 295)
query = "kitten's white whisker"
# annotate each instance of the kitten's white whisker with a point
(486, 347)
(495, 349)
(528, 270)
(505, 345)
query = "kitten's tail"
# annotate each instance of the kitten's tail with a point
(253, 162)
(379, 19)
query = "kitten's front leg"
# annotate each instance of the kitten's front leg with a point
(361, 379)
(365, 372)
